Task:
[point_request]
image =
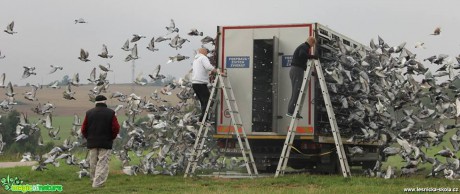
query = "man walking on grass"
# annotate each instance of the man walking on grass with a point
(100, 127)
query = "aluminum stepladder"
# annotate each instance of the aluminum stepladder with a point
(221, 82)
(293, 124)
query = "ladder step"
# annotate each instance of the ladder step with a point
(197, 156)
(311, 65)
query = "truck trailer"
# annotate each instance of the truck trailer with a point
(256, 59)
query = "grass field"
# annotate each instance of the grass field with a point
(302, 183)
(290, 183)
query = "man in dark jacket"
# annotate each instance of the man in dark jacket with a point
(298, 66)
(100, 128)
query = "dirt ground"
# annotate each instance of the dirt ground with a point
(81, 104)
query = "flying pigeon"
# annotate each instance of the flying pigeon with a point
(28, 71)
(92, 76)
(172, 27)
(177, 42)
(139, 80)
(126, 46)
(31, 95)
(151, 46)
(437, 31)
(9, 28)
(156, 74)
(2, 80)
(161, 39)
(105, 53)
(55, 68)
(194, 32)
(133, 54)
(105, 68)
(75, 80)
(207, 39)
(136, 38)
(178, 57)
(420, 45)
(80, 20)
(68, 94)
(84, 55)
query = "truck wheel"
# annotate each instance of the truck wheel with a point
(368, 165)
(297, 164)
(338, 169)
(268, 169)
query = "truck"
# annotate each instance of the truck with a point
(256, 59)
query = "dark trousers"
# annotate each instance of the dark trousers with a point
(296, 74)
(202, 92)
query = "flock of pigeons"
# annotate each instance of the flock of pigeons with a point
(166, 136)
(373, 90)
(376, 98)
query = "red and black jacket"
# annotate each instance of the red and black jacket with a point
(100, 127)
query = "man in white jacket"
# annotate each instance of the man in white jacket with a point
(200, 78)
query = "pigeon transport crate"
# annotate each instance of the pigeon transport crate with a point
(257, 60)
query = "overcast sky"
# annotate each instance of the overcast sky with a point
(47, 34)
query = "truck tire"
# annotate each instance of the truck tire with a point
(368, 165)
(338, 168)
(297, 164)
(271, 169)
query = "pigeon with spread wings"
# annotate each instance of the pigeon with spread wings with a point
(172, 27)
(151, 46)
(84, 55)
(55, 68)
(156, 74)
(105, 52)
(9, 28)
